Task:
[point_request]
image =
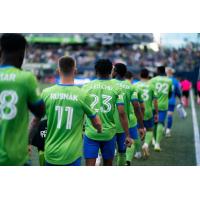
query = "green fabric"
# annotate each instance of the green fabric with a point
(130, 152)
(148, 95)
(66, 107)
(41, 158)
(137, 143)
(159, 133)
(106, 95)
(121, 159)
(148, 137)
(162, 85)
(17, 89)
(129, 93)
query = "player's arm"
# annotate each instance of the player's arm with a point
(34, 101)
(124, 122)
(91, 114)
(33, 128)
(178, 91)
(170, 90)
(138, 112)
(155, 103)
(96, 122)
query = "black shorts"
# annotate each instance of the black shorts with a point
(186, 94)
(198, 93)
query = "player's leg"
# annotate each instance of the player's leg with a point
(131, 150)
(160, 129)
(108, 151)
(148, 124)
(90, 149)
(169, 120)
(121, 148)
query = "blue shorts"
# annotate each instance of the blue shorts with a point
(75, 163)
(171, 108)
(162, 116)
(91, 148)
(149, 123)
(133, 132)
(120, 139)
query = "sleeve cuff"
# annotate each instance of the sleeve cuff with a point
(132, 100)
(119, 104)
(92, 116)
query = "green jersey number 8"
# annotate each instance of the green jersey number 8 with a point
(145, 95)
(106, 103)
(8, 101)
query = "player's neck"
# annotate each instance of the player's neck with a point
(119, 78)
(67, 80)
(143, 80)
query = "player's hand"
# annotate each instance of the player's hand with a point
(129, 141)
(156, 118)
(29, 150)
(142, 132)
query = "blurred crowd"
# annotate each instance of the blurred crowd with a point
(180, 59)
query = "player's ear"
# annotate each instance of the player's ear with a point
(75, 71)
(57, 71)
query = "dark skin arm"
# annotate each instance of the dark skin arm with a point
(124, 122)
(142, 107)
(139, 117)
(155, 102)
(96, 122)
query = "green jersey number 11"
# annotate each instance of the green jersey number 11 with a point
(60, 110)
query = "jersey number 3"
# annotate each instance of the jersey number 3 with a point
(8, 100)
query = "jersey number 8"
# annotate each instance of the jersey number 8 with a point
(8, 100)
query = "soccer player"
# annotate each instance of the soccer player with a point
(186, 85)
(18, 95)
(129, 95)
(148, 96)
(106, 98)
(176, 92)
(66, 105)
(162, 85)
(198, 92)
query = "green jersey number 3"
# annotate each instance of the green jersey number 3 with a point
(8, 101)
(60, 110)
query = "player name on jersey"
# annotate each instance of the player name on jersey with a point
(55, 96)
(99, 86)
(7, 77)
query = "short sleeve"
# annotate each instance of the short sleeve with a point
(86, 106)
(33, 90)
(134, 96)
(120, 98)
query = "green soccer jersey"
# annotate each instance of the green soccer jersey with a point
(129, 94)
(18, 89)
(66, 106)
(147, 95)
(106, 95)
(162, 85)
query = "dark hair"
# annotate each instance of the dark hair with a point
(129, 75)
(144, 73)
(161, 69)
(66, 64)
(12, 42)
(120, 69)
(103, 67)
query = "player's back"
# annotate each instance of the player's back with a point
(147, 95)
(17, 91)
(127, 91)
(65, 109)
(105, 96)
(175, 91)
(162, 86)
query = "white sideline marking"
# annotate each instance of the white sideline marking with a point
(196, 130)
